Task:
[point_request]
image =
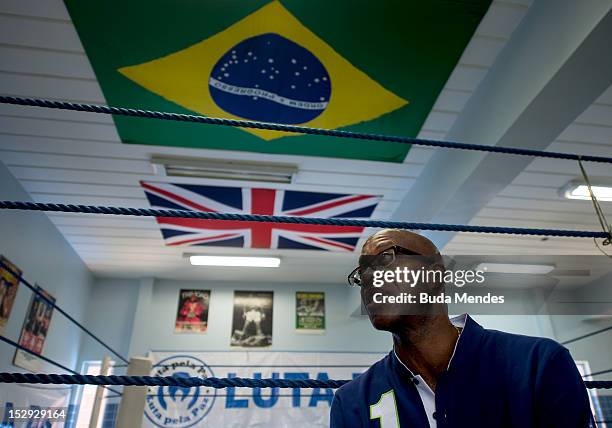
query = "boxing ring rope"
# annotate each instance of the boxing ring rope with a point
(48, 360)
(587, 335)
(584, 336)
(606, 234)
(121, 111)
(60, 310)
(148, 212)
(78, 379)
(267, 366)
(192, 382)
(598, 373)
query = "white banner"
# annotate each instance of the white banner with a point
(23, 396)
(254, 407)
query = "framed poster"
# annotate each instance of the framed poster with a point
(309, 312)
(9, 284)
(34, 331)
(252, 319)
(192, 311)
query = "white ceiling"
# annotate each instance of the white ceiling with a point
(533, 200)
(75, 157)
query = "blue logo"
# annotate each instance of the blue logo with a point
(270, 78)
(175, 406)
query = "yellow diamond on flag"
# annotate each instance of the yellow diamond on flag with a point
(267, 67)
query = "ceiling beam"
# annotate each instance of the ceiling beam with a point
(554, 66)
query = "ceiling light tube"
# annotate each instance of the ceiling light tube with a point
(515, 268)
(235, 261)
(577, 189)
(224, 169)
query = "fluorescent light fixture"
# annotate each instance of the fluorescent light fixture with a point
(576, 189)
(515, 268)
(225, 169)
(235, 261)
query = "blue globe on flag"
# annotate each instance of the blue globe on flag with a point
(269, 78)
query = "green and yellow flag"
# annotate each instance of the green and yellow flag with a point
(361, 65)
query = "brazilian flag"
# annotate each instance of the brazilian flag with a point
(359, 65)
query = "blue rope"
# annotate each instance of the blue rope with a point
(584, 336)
(598, 373)
(146, 212)
(48, 360)
(60, 310)
(120, 111)
(192, 382)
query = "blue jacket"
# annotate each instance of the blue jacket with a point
(495, 379)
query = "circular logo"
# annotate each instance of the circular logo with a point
(174, 406)
(270, 78)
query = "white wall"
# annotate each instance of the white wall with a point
(33, 243)
(150, 306)
(596, 349)
(110, 314)
(135, 316)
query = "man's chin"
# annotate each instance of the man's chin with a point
(384, 322)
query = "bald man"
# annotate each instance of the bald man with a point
(446, 372)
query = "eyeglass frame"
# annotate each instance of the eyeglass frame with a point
(397, 249)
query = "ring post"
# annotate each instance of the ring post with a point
(95, 411)
(133, 400)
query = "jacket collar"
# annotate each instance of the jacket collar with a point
(465, 349)
(467, 346)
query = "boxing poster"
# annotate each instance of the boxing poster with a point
(34, 331)
(192, 311)
(252, 320)
(8, 290)
(309, 312)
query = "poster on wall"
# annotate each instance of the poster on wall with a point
(192, 311)
(34, 331)
(309, 312)
(252, 319)
(8, 290)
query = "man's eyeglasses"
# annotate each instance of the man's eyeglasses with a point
(376, 262)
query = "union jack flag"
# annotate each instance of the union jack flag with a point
(190, 232)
